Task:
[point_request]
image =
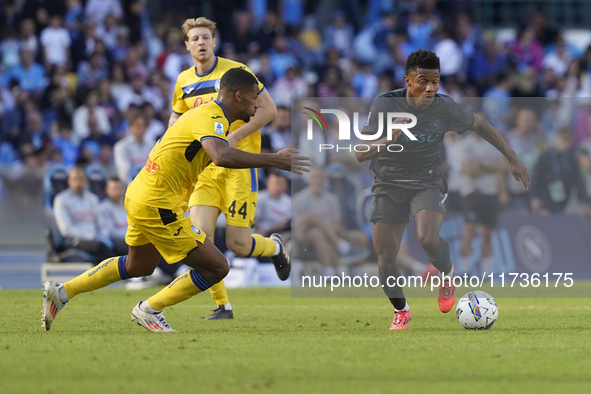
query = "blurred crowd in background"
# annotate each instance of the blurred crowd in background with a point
(77, 77)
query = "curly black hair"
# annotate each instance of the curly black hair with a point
(422, 58)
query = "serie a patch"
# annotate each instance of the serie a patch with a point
(219, 128)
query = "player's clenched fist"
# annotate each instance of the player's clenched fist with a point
(287, 160)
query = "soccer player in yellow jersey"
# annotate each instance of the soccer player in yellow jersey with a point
(232, 192)
(157, 200)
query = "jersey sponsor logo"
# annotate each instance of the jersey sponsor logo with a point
(423, 138)
(188, 91)
(199, 101)
(216, 117)
(196, 229)
(219, 128)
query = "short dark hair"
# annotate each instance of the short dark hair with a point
(279, 173)
(237, 79)
(114, 179)
(135, 117)
(78, 167)
(422, 58)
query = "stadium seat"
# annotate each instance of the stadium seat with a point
(7, 154)
(56, 244)
(97, 180)
(55, 181)
(133, 173)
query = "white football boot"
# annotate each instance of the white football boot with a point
(150, 321)
(52, 303)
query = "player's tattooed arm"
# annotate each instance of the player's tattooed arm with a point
(224, 156)
(265, 112)
(486, 131)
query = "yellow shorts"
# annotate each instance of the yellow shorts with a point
(233, 191)
(172, 233)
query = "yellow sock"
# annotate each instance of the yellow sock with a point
(182, 288)
(262, 247)
(219, 293)
(108, 271)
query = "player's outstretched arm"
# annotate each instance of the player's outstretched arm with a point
(224, 156)
(266, 111)
(486, 131)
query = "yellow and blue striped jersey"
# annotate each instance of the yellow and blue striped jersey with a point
(177, 159)
(192, 90)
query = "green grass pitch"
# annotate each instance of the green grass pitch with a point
(278, 344)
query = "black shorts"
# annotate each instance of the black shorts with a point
(396, 206)
(481, 209)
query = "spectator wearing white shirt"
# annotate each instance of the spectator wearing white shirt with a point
(134, 149)
(155, 128)
(108, 31)
(447, 48)
(29, 40)
(98, 10)
(112, 218)
(339, 34)
(274, 206)
(138, 95)
(292, 85)
(559, 58)
(482, 188)
(119, 85)
(319, 227)
(82, 114)
(75, 211)
(56, 42)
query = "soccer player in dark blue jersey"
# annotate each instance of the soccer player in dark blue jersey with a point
(412, 181)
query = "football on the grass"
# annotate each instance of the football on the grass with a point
(477, 310)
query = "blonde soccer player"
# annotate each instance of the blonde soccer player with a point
(232, 192)
(157, 199)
